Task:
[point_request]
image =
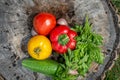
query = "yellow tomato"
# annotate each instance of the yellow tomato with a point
(39, 47)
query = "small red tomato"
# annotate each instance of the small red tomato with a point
(43, 23)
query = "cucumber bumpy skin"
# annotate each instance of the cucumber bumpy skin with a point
(48, 67)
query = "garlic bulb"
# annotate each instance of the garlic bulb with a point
(33, 32)
(62, 21)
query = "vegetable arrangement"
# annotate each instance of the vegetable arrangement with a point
(77, 47)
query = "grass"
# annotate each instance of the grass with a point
(116, 3)
(114, 73)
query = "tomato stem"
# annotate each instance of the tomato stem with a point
(63, 39)
(37, 50)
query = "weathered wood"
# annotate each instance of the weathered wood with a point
(16, 22)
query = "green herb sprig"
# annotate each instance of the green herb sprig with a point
(87, 51)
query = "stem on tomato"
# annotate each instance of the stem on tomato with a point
(37, 50)
(63, 39)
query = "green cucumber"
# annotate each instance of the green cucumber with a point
(48, 67)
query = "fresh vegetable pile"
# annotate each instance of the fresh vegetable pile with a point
(77, 48)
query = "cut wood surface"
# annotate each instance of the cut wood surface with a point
(16, 22)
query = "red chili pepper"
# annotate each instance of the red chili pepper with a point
(62, 38)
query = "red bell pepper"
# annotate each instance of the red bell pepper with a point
(62, 38)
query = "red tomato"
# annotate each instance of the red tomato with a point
(43, 23)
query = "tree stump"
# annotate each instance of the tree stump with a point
(16, 22)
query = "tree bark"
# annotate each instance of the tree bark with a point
(16, 22)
